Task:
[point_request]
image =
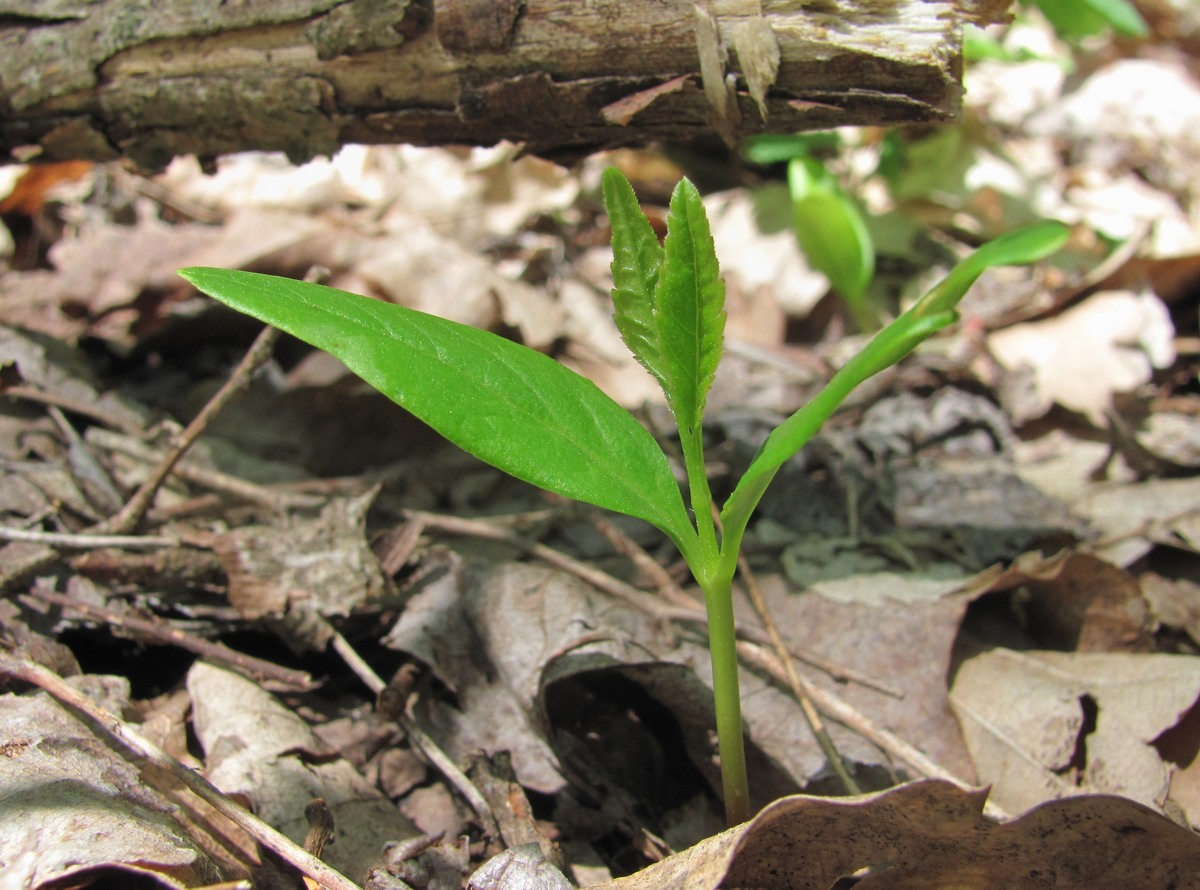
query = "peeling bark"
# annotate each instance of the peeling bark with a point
(100, 79)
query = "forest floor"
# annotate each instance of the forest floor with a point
(985, 570)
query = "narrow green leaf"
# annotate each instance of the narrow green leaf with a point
(637, 258)
(930, 314)
(510, 406)
(1018, 248)
(689, 307)
(831, 230)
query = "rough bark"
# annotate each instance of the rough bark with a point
(151, 79)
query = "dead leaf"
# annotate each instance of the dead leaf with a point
(255, 747)
(518, 868)
(1131, 518)
(897, 627)
(1071, 601)
(1042, 725)
(323, 564)
(73, 807)
(1128, 336)
(930, 835)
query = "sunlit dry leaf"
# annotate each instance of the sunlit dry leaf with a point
(72, 805)
(1141, 114)
(1042, 725)
(256, 747)
(1128, 336)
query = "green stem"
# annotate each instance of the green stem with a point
(692, 442)
(722, 644)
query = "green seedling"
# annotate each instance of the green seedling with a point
(1076, 19)
(833, 235)
(526, 414)
(827, 222)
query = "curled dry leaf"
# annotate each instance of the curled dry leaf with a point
(930, 834)
(323, 564)
(72, 807)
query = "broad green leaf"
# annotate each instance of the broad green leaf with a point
(510, 406)
(1075, 19)
(689, 307)
(637, 258)
(930, 314)
(831, 231)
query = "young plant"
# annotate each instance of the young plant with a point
(526, 414)
(828, 223)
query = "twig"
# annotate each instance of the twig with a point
(91, 410)
(203, 476)
(476, 528)
(127, 519)
(668, 588)
(750, 584)
(835, 708)
(132, 739)
(439, 758)
(87, 541)
(162, 632)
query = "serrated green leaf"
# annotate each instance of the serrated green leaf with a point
(637, 258)
(689, 307)
(510, 406)
(930, 314)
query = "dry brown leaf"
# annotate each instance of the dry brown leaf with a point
(1132, 517)
(1042, 725)
(1128, 335)
(897, 627)
(72, 806)
(323, 564)
(1071, 601)
(256, 747)
(927, 835)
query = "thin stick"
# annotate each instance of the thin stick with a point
(750, 584)
(439, 758)
(90, 410)
(127, 519)
(475, 528)
(668, 588)
(208, 478)
(201, 787)
(87, 541)
(162, 632)
(837, 709)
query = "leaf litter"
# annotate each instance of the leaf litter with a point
(985, 567)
